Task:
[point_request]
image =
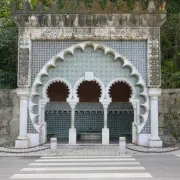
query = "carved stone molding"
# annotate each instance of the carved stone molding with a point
(89, 20)
(154, 58)
(24, 55)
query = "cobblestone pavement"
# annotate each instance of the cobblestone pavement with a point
(85, 150)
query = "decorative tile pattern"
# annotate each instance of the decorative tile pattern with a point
(30, 127)
(135, 51)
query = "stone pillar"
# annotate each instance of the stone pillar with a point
(72, 130)
(23, 140)
(105, 130)
(135, 104)
(154, 140)
(43, 129)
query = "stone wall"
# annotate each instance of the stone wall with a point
(170, 98)
(9, 117)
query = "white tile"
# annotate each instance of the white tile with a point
(102, 168)
(82, 175)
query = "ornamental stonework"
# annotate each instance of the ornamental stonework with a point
(112, 23)
(154, 58)
(24, 48)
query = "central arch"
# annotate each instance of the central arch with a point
(89, 91)
(89, 113)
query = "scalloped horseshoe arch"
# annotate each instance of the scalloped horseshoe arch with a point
(79, 81)
(121, 80)
(82, 46)
(51, 81)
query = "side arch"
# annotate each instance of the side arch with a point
(51, 81)
(121, 80)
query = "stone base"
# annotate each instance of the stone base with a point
(90, 136)
(22, 143)
(105, 136)
(72, 136)
(43, 134)
(155, 143)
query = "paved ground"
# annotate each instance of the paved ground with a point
(85, 150)
(155, 167)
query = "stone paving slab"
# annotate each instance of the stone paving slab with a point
(85, 150)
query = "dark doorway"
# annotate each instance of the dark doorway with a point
(120, 112)
(89, 113)
(58, 112)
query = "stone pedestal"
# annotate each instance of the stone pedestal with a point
(122, 145)
(43, 134)
(155, 143)
(53, 144)
(105, 136)
(72, 136)
(22, 142)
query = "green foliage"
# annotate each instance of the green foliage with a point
(170, 39)
(102, 3)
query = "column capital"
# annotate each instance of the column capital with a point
(43, 103)
(154, 92)
(72, 103)
(135, 103)
(23, 93)
(105, 103)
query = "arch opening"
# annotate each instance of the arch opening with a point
(89, 91)
(89, 113)
(120, 92)
(57, 112)
(57, 92)
(120, 112)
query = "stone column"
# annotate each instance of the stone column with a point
(154, 140)
(72, 130)
(23, 140)
(43, 129)
(105, 130)
(135, 122)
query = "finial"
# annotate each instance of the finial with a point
(54, 6)
(96, 7)
(82, 7)
(26, 6)
(14, 7)
(109, 7)
(68, 6)
(163, 6)
(40, 7)
(122, 6)
(138, 6)
(151, 6)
